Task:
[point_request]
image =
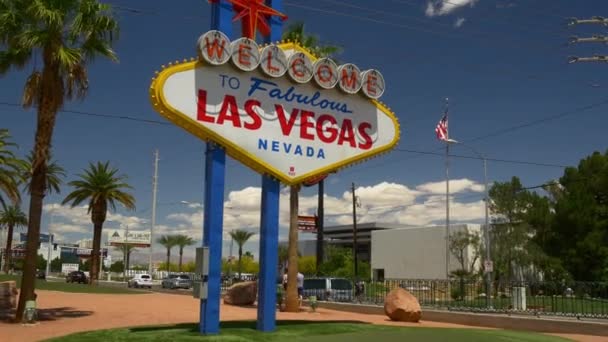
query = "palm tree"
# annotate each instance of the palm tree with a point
(295, 32)
(126, 249)
(169, 242)
(102, 188)
(240, 237)
(11, 217)
(64, 36)
(182, 241)
(54, 174)
(10, 170)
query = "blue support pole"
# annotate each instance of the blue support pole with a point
(269, 242)
(215, 165)
(215, 171)
(269, 223)
(276, 24)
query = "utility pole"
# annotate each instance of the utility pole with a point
(447, 196)
(154, 187)
(320, 219)
(125, 247)
(50, 245)
(355, 231)
(487, 233)
(595, 20)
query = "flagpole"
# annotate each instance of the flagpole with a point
(447, 195)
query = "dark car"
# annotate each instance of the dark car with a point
(76, 277)
(40, 274)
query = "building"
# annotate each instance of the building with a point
(417, 252)
(397, 251)
(85, 243)
(343, 236)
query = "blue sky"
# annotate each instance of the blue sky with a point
(501, 63)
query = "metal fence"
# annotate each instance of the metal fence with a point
(573, 299)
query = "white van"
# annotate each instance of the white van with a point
(329, 289)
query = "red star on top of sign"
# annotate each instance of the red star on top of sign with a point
(253, 15)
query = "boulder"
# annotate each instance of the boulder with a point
(8, 294)
(244, 293)
(400, 305)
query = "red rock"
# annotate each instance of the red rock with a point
(400, 305)
(8, 294)
(244, 293)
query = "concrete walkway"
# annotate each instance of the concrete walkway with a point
(64, 313)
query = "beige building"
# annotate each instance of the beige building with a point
(417, 252)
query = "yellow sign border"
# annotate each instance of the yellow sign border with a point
(182, 120)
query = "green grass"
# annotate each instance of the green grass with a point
(62, 286)
(305, 331)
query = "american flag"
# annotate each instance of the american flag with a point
(442, 128)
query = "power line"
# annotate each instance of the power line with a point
(539, 121)
(479, 158)
(422, 59)
(508, 20)
(400, 25)
(480, 34)
(505, 69)
(149, 121)
(101, 115)
(497, 133)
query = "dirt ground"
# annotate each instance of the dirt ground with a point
(63, 313)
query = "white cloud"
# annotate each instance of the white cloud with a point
(384, 202)
(456, 186)
(444, 7)
(459, 22)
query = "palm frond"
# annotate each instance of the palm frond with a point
(32, 90)
(77, 81)
(54, 174)
(11, 169)
(13, 216)
(99, 184)
(241, 236)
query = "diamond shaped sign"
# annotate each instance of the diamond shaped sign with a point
(274, 124)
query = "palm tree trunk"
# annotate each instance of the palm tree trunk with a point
(181, 253)
(44, 131)
(240, 256)
(292, 303)
(97, 227)
(9, 246)
(47, 113)
(168, 260)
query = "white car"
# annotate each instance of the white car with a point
(141, 280)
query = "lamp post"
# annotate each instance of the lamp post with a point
(49, 244)
(487, 223)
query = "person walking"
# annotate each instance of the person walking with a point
(300, 287)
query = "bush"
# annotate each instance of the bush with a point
(457, 293)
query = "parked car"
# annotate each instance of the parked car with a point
(330, 289)
(174, 281)
(40, 274)
(141, 280)
(76, 277)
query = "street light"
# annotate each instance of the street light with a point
(487, 224)
(49, 243)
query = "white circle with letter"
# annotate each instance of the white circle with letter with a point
(300, 67)
(273, 61)
(245, 54)
(214, 46)
(326, 73)
(350, 78)
(373, 83)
